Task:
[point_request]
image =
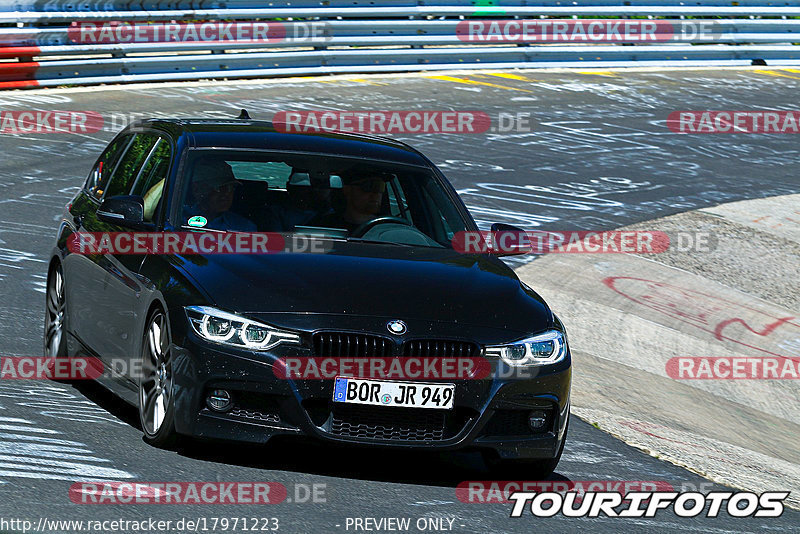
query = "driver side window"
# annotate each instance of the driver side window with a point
(97, 182)
(130, 164)
(150, 183)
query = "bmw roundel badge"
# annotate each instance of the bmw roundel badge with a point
(397, 327)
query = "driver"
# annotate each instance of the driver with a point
(363, 194)
(213, 187)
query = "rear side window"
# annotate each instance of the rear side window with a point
(98, 179)
(275, 173)
(131, 163)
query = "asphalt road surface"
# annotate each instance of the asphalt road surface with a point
(598, 156)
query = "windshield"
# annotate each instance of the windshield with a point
(317, 195)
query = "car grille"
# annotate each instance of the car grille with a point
(389, 424)
(439, 349)
(351, 345)
(347, 345)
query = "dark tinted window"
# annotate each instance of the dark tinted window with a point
(98, 179)
(275, 174)
(150, 183)
(128, 168)
(324, 195)
(398, 207)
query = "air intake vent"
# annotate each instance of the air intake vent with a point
(388, 424)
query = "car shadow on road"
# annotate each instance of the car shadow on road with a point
(446, 469)
(108, 401)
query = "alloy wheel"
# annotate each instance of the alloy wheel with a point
(54, 316)
(155, 390)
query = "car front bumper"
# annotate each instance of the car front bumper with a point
(489, 413)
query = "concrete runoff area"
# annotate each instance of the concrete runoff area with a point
(636, 312)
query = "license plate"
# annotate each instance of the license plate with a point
(383, 393)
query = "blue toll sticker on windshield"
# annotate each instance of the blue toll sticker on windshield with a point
(197, 221)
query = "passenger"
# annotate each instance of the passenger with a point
(213, 187)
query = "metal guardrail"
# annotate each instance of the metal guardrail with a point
(58, 41)
(481, 5)
(52, 17)
(370, 36)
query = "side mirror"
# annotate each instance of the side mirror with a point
(507, 240)
(124, 210)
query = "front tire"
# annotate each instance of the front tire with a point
(55, 319)
(156, 404)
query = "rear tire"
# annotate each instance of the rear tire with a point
(156, 403)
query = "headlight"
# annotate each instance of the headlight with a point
(543, 349)
(229, 329)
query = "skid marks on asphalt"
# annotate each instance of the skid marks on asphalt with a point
(28, 449)
(50, 399)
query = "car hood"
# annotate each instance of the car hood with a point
(409, 283)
